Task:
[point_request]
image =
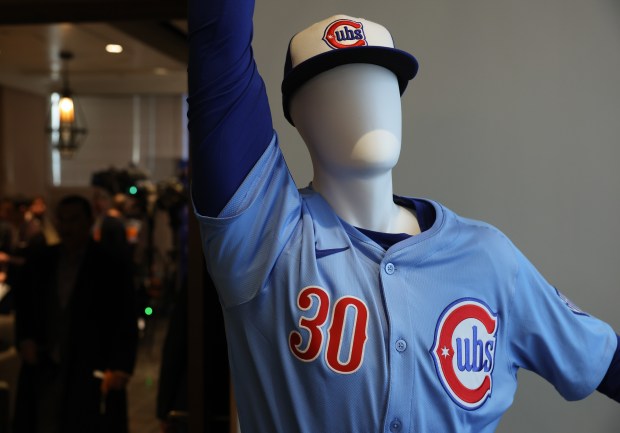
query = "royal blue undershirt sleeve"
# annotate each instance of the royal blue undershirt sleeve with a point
(610, 386)
(229, 119)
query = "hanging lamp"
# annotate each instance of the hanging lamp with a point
(66, 125)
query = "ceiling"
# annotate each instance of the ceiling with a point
(152, 33)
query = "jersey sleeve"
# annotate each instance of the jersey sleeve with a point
(552, 337)
(243, 243)
(243, 195)
(229, 120)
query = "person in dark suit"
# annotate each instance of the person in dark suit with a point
(76, 332)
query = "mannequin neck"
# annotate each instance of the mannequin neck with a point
(365, 201)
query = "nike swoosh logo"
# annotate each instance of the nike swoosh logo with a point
(329, 252)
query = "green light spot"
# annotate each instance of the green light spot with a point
(148, 311)
(133, 190)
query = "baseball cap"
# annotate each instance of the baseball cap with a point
(339, 40)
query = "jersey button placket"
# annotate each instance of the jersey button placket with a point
(401, 364)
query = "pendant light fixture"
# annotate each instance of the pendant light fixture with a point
(66, 125)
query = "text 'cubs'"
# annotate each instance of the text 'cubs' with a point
(464, 351)
(345, 34)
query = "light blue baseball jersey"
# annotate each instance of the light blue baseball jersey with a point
(328, 332)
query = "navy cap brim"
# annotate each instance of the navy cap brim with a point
(403, 64)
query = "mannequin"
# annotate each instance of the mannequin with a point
(354, 142)
(349, 308)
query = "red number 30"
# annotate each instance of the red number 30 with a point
(340, 362)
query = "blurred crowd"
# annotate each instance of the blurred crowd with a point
(81, 277)
(25, 228)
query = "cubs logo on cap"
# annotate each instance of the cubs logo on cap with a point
(340, 40)
(345, 33)
(464, 351)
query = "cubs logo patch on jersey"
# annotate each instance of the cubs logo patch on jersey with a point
(345, 33)
(570, 304)
(464, 351)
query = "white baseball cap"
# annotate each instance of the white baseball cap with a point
(340, 40)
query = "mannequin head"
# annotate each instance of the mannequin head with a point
(342, 84)
(350, 119)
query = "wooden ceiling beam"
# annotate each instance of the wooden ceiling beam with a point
(59, 11)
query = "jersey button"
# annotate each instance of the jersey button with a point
(401, 345)
(390, 268)
(395, 425)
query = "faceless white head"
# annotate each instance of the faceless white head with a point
(350, 119)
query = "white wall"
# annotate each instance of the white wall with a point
(144, 130)
(148, 130)
(514, 118)
(24, 156)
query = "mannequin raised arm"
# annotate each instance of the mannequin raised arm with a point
(229, 119)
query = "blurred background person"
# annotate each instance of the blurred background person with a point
(8, 231)
(76, 332)
(38, 228)
(109, 225)
(10, 257)
(8, 243)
